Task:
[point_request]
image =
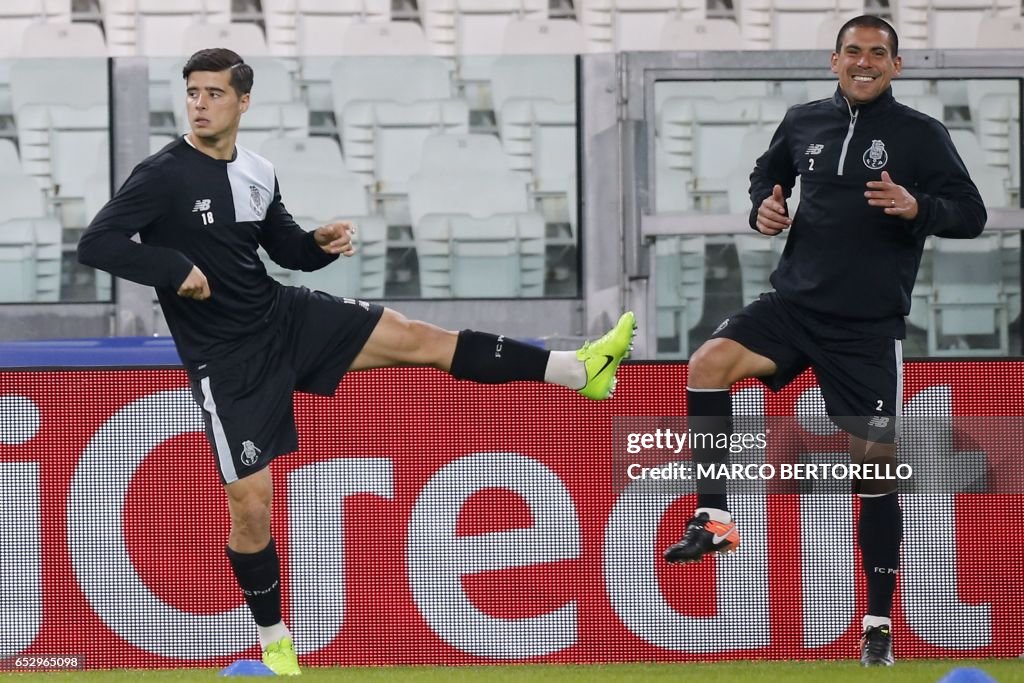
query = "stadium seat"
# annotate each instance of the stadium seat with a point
(383, 38)
(543, 37)
(244, 38)
(9, 160)
(703, 138)
(968, 297)
(679, 295)
(361, 38)
(73, 82)
(291, 24)
(620, 25)
(947, 24)
(711, 90)
(16, 16)
(60, 115)
(386, 107)
(758, 256)
(474, 27)
(700, 34)
(156, 27)
(311, 154)
(30, 254)
(475, 235)
(795, 24)
(995, 122)
(62, 40)
(992, 181)
(534, 102)
(1000, 32)
(462, 154)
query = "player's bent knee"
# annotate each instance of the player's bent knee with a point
(712, 366)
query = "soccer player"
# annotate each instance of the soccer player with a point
(202, 206)
(877, 178)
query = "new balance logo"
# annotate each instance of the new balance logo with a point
(814, 149)
(881, 422)
(201, 205)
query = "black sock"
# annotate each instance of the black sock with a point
(493, 359)
(710, 412)
(259, 576)
(879, 532)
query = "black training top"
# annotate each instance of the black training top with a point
(191, 209)
(843, 257)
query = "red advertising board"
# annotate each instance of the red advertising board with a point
(426, 520)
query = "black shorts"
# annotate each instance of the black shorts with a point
(861, 376)
(247, 405)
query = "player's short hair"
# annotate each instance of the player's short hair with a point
(870, 21)
(221, 59)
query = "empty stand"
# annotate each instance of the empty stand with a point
(996, 32)
(62, 40)
(386, 107)
(795, 24)
(474, 27)
(245, 39)
(619, 25)
(703, 138)
(679, 296)
(678, 33)
(474, 233)
(30, 253)
(968, 297)
(534, 101)
(543, 37)
(17, 15)
(947, 23)
(297, 27)
(156, 27)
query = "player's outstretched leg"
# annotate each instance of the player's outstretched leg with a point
(708, 531)
(601, 358)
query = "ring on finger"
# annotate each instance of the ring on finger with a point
(892, 203)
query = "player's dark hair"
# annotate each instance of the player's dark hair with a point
(221, 59)
(870, 21)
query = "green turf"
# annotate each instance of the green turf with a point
(925, 671)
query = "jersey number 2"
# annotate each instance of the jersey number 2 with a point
(811, 162)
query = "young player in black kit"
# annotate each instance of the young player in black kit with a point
(877, 178)
(202, 206)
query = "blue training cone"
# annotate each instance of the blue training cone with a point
(967, 674)
(247, 667)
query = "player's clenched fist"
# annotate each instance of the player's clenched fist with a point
(195, 285)
(336, 238)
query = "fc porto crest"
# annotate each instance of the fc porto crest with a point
(255, 200)
(876, 157)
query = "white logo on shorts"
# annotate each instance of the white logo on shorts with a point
(249, 453)
(881, 422)
(721, 326)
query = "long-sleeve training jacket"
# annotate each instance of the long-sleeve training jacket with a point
(190, 209)
(843, 257)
